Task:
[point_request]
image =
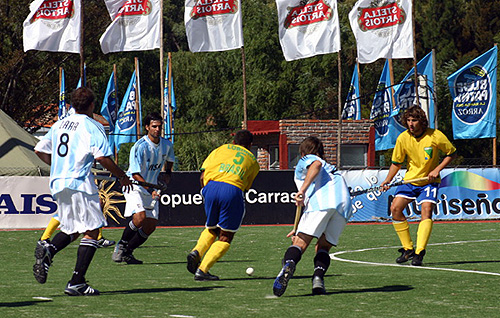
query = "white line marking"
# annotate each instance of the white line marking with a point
(334, 257)
(43, 298)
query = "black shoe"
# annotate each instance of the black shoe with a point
(283, 277)
(80, 290)
(200, 275)
(418, 258)
(130, 259)
(318, 286)
(193, 261)
(406, 255)
(43, 259)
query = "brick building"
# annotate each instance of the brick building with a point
(276, 143)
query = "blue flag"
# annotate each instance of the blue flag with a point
(352, 106)
(84, 77)
(474, 92)
(109, 107)
(385, 136)
(126, 120)
(63, 111)
(169, 107)
(404, 94)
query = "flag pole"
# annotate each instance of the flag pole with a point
(417, 101)
(116, 98)
(138, 127)
(243, 64)
(339, 128)
(495, 139)
(82, 58)
(60, 86)
(391, 76)
(359, 86)
(170, 87)
(434, 94)
(162, 80)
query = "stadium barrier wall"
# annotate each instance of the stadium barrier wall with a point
(464, 194)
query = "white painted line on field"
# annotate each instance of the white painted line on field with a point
(43, 298)
(334, 257)
(182, 316)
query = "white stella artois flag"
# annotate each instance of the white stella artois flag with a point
(53, 25)
(383, 29)
(308, 27)
(213, 25)
(135, 26)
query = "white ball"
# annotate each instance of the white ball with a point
(250, 271)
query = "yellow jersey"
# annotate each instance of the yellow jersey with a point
(422, 153)
(233, 164)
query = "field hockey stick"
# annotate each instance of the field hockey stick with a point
(377, 188)
(298, 212)
(133, 181)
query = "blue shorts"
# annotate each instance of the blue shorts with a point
(426, 193)
(224, 206)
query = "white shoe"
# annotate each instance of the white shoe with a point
(118, 252)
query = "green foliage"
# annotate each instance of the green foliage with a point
(209, 86)
(192, 149)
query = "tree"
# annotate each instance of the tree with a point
(209, 87)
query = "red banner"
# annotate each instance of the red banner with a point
(135, 7)
(381, 17)
(204, 8)
(313, 12)
(54, 10)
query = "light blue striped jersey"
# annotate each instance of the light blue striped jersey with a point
(73, 143)
(327, 191)
(147, 158)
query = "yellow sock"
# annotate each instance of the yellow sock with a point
(50, 229)
(216, 251)
(100, 234)
(207, 238)
(403, 230)
(423, 235)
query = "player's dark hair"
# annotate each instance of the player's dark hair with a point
(312, 145)
(152, 116)
(82, 98)
(243, 138)
(416, 112)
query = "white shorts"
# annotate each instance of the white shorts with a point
(139, 200)
(79, 212)
(328, 222)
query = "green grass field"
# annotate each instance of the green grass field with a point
(162, 287)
